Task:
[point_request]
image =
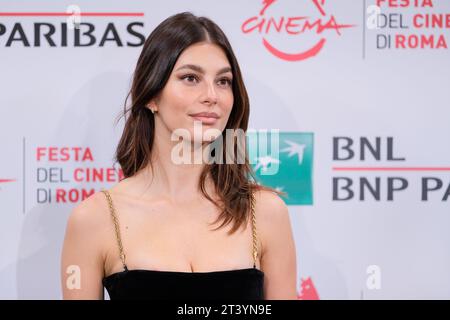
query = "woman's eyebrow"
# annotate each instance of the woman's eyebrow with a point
(200, 69)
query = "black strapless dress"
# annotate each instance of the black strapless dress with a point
(241, 284)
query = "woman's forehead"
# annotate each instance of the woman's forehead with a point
(207, 57)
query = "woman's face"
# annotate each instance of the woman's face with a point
(201, 81)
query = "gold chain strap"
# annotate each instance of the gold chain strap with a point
(255, 236)
(116, 227)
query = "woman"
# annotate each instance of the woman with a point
(149, 236)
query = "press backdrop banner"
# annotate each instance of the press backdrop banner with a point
(357, 89)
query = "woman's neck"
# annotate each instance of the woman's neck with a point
(175, 174)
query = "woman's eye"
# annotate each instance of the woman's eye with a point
(191, 78)
(225, 81)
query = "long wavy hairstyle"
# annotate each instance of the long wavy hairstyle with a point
(235, 184)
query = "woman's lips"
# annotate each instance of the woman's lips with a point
(205, 120)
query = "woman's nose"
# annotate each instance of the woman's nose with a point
(211, 93)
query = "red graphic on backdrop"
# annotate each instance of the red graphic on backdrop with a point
(294, 26)
(6, 180)
(308, 290)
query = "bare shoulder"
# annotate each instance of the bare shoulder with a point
(278, 252)
(89, 215)
(270, 202)
(94, 212)
(84, 248)
(87, 229)
(272, 216)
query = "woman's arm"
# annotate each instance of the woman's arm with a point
(278, 253)
(82, 258)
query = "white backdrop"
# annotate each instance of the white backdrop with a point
(67, 96)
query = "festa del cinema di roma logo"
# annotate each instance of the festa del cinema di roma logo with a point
(294, 26)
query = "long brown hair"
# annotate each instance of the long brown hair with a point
(235, 184)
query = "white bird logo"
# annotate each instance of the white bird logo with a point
(264, 162)
(295, 149)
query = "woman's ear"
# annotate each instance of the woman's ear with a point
(152, 106)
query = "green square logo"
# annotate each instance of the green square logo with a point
(283, 161)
